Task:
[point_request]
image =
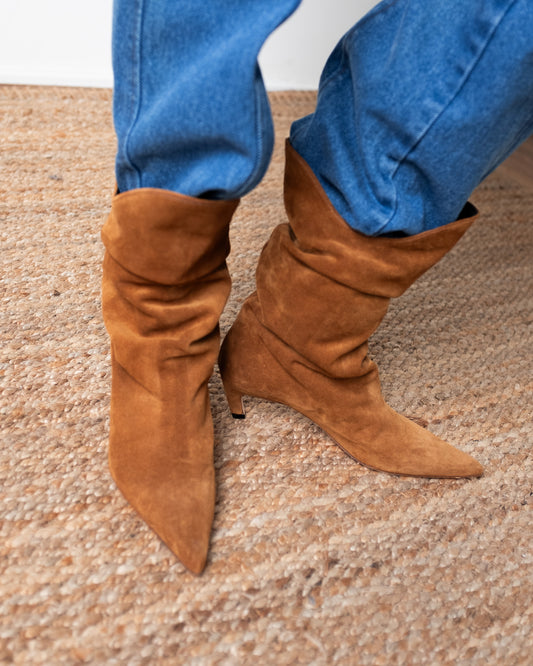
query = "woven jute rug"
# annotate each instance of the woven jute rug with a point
(314, 558)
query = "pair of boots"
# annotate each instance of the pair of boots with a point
(300, 339)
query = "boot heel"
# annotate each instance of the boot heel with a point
(235, 403)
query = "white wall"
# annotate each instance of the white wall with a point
(67, 42)
(63, 42)
(294, 55)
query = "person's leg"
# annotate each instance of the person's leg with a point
(193, 126)
(418, 103)
(190, 108)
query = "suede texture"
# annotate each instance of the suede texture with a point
(165, 283)
(302, 338)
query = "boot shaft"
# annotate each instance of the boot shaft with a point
(379, 266)
(167, 238)
(323, 287)
(165, 284)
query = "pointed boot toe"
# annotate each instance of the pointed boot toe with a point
(429, 456)
(178, 506)
(431, 460)
(456, 465)
(398, 446)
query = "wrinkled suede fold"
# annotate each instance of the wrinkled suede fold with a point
(302, 338)
(165, 283)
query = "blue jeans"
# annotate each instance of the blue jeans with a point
(418, 102)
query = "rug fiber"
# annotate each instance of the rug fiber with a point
(314, 559)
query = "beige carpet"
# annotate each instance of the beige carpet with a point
(314, 559)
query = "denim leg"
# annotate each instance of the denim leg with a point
(190, 109)
(419, 102)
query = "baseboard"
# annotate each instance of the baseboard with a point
(49, 77)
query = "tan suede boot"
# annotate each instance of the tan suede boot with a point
(301, 338)
(165, 283)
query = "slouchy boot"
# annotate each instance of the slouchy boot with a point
(302, 338)
(165, 283)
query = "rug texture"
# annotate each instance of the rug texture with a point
(314, 559)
